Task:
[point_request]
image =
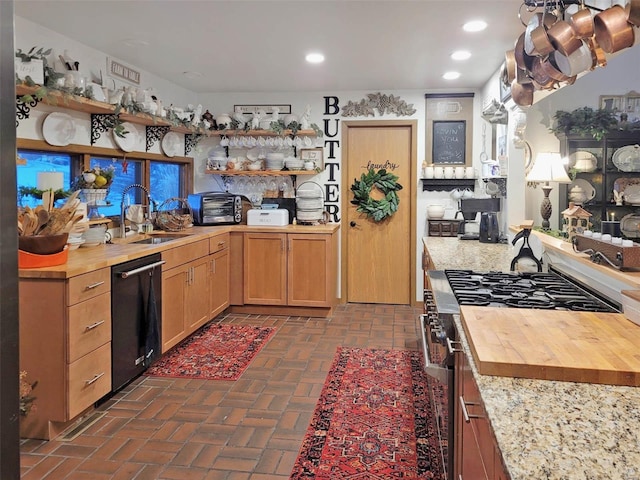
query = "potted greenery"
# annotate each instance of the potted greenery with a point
(584, 121)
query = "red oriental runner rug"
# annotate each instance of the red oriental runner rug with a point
(215, 352)
(373, 420)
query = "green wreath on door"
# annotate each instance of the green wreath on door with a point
(387, 183)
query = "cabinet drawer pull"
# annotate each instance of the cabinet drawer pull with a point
(221, 244)
(451, 348)
(465, 413)
(94, 379)
(93, 285)
(93, 325)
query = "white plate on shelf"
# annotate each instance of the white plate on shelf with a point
(588, 189)
(128, 142)
(627, 159)
(171, 144)
(58, 129)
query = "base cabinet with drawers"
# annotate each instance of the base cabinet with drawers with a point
(195, 287)
(65, 345)
(477, 456)
(289, 269)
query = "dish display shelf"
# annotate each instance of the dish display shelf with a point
(608, 172)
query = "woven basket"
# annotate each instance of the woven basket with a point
(174, 214)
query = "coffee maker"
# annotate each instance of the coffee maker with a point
(470, 229)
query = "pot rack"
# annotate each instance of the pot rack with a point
(560, 4)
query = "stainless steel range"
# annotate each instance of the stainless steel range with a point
(446, 290)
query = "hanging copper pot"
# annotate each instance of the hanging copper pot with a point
(563, 38)
(613, 31)
(582, 23)
(541, 78)
(550, 68)
(633, 12)
(523, 61)
(510, 66)
(522, 94)
(598, 55)
(536, 41)
(578, 62)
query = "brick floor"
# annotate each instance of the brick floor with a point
(250, 429)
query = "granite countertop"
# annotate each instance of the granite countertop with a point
(549, 429)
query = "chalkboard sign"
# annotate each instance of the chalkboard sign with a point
(449, 141)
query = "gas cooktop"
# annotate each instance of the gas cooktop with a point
(522, 290)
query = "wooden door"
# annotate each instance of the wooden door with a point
(379, 257)
(265, 268)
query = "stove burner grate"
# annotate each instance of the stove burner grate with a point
(521, 290)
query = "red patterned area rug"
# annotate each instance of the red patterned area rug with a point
(373, 420)
(215, 352)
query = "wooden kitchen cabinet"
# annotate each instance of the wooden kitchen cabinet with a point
(476, 451)
(219, 287)
(265, 268)
(65, 345)
(185, 291)
(290, 269)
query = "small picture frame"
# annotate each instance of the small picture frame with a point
(613, 103)
(314, 155)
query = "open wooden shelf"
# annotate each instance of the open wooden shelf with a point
(248, 173)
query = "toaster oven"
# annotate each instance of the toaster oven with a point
(218, 208)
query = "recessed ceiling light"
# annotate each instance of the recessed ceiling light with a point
(451, 75)
(135, 42)
(461, 55)
(314, 58)
(192, 75)
(474, 26)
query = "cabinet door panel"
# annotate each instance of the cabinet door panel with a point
(197, 298)
(308, 270)
(265, 269)
(174, 284)
(219, 282)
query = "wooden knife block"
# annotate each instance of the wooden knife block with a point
(621, 257)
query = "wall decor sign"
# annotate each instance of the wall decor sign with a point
(617, 104)
(118, 70)
(449, 139)
(33, 69)
(269, 109)
(314, 155)
(384, 104)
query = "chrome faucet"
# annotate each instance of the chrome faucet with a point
(123, 207)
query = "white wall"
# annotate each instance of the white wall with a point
(29, 34)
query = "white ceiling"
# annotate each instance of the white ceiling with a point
(259, 46)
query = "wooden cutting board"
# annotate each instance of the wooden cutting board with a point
(554, 345)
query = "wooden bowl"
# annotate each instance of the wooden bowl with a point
(43, 245)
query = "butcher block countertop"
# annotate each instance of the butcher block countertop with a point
(85, 260)
(548, 429)
(560, 345)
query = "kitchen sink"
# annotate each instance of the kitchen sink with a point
(160, 238)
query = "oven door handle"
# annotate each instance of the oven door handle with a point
(440, 373)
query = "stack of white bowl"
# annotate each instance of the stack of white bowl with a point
(94, 236)
(309, 203)
(274, 161)
(293, 163)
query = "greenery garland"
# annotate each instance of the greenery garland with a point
(385, 181)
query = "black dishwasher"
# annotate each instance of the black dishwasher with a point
(136, 308)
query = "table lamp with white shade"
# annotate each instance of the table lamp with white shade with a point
(548, 167)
